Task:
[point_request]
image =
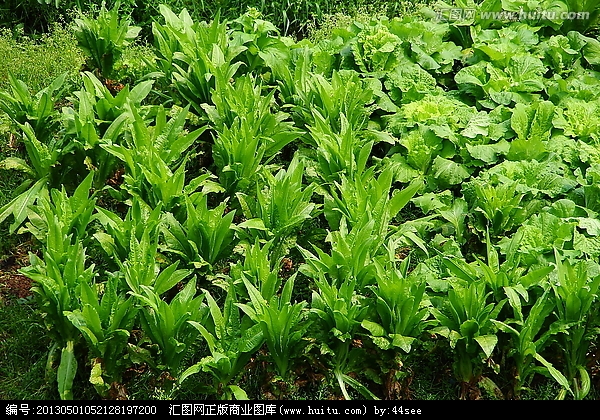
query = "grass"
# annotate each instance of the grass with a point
(38, 61)
(23, 359)
(362, 12)
(9, 181)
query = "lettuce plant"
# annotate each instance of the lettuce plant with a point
(155, 159)
(60, 223)
(106, 320)
(192, 55)
(399, 316)
(342, 94)
(166, 323)
(45, 159)
(400, 307)
(259, 268)
(99, 117)
(352, 254)
(70, 214)
(506, 279)
(339, 152)
(245, 99)
(575, 292)
(205, 236)
(495, 206)
(530, 334)
(38, 110)
(282, 322)
(196, 82)
(352, 198)
(338, 312)
(465, 318)
(238, 153)
(104, 37)
(116, 236)
(232, 340)
(57, 282)
(376, 49)
(140, 270)
(281, 206)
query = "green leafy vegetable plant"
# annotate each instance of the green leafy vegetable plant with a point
(232, 340)
(260, 268)
(57, 281)
(368, 194)
(116, 234)
(282, 322)
(38, 110)
(339, 152)
(575, 293)
(45, 160)
(352, 254)
(530, 334)
(281, 206)
(103, 38)
(61, 273)
(166, 323)
(71, 215)
(238, 153)
(99, 117)
(106, 320)
(155, 159)
(496, 206)
(339, 312)
(400, 307)
(466, 320)
(205, 236)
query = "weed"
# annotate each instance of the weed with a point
(37, 62)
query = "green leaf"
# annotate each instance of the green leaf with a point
(17, 164)
(403, 342)
(374, 328)
(470, 327)
(478, 125)
(382, 342)
(363, 390)
(252, 339)
(488, 153)
(66, 371)
(591, 51)
(192, 370)
(169, 277)
(559, 377)
(238, 392)
(402, 171)
(255, 223)
(400, 199)
(487, 343)
(448, 171)
(96, 376)
(585, 386)
(19, 205)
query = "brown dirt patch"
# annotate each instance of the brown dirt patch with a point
(14, 285)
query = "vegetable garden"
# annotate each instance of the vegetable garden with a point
(318, 213)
